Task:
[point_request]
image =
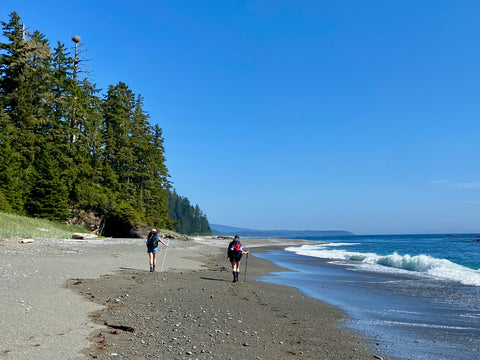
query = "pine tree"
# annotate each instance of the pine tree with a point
(48, 198)
(134, 155)
(90, 180)
(24, 78)
(187, 219)
(79, 117)
(157, 185)
(62, 147)
(24, 69)
(11, 189)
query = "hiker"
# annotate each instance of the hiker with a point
(234, 254)
(152, 247)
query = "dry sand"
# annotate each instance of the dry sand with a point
(191, 310)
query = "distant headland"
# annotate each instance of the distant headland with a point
(230, 230)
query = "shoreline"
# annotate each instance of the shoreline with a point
(189, 311)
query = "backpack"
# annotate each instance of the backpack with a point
(152, 240)
(231, 249)
(235, 251)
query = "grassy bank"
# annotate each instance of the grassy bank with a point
(16, 226)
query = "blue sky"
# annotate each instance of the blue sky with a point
(328, 115)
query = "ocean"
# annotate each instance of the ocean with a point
(414, 296)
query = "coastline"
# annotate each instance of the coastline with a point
(189, 311)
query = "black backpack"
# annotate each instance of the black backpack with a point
(152, 240)
(234, 250)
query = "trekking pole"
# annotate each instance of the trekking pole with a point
(165, 255)
(246, 263)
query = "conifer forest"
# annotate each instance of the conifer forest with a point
(68, 149)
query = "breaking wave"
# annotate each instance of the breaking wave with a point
(420, 264)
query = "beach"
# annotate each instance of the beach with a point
(62, 299)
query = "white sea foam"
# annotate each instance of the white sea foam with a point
(414, 324)
(470, 316)
(420, 264)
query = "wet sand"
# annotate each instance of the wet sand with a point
(191, 310)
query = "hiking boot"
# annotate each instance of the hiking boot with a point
(234, 276)
(151, 268)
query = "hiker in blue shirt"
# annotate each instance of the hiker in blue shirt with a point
(234, 254)
(152, 247)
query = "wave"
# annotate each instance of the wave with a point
(420, 264)
(413, 324)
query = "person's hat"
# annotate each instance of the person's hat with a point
(154, 230)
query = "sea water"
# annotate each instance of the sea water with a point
(413, 296)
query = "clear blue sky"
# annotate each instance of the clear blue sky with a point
(349, 115)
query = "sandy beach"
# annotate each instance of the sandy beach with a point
(62, 299)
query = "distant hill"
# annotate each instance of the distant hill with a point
(230, 230)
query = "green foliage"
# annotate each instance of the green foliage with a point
(11, 179)
(63, 148)
(188, 219)
(121, 220)
(4, 205)
(48, 198)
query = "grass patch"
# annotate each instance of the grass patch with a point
(16, 226)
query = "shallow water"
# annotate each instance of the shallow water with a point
(409, 314)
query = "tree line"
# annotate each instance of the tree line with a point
(66, 149)
(188, 219)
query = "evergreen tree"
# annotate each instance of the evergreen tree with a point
(64, 148)
(134, 156)
(48, 198)
(23, 87)
(11, 189)
(118, 109)
(24, 69)
(188, 219)
(157, 184)
(90, 180)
